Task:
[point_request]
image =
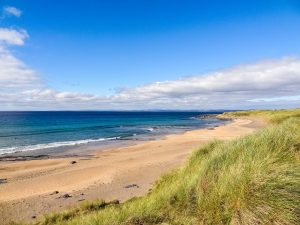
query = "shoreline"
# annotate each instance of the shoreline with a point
(113, 173)
(88, 149)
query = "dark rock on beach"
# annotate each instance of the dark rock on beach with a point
(66, 196)
(3, 180)
(207, 116)
(132, 186)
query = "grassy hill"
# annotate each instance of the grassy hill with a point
(251, 180)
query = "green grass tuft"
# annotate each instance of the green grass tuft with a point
(83, 208)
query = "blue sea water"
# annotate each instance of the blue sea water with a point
(27, 131)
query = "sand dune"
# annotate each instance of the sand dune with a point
(118, 173)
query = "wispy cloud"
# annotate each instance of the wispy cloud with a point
(226, 88)
(14, 74)
(243, 86)
(12, 11)
(12, 37)
(277, 99)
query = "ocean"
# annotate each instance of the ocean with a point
(32, 131)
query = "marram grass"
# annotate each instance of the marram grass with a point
(272, 116)
(251, 180)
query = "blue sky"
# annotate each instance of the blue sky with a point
(101, 48)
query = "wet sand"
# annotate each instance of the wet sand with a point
(29, 187)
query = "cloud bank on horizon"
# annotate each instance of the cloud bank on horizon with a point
(265, 84)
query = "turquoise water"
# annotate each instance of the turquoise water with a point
(27, 131)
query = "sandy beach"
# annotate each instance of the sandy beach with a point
(34, 187)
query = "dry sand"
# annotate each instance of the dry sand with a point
(28, 190)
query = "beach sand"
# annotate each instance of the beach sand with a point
(119, 173)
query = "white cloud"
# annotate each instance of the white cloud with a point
(277, 99)
(243, 86)
(227, 88)
(12, 11)
(14, 74)
(12, 36)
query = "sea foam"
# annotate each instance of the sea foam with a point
(52, 145)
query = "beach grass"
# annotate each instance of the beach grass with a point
(271, 116)
(254, 179)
